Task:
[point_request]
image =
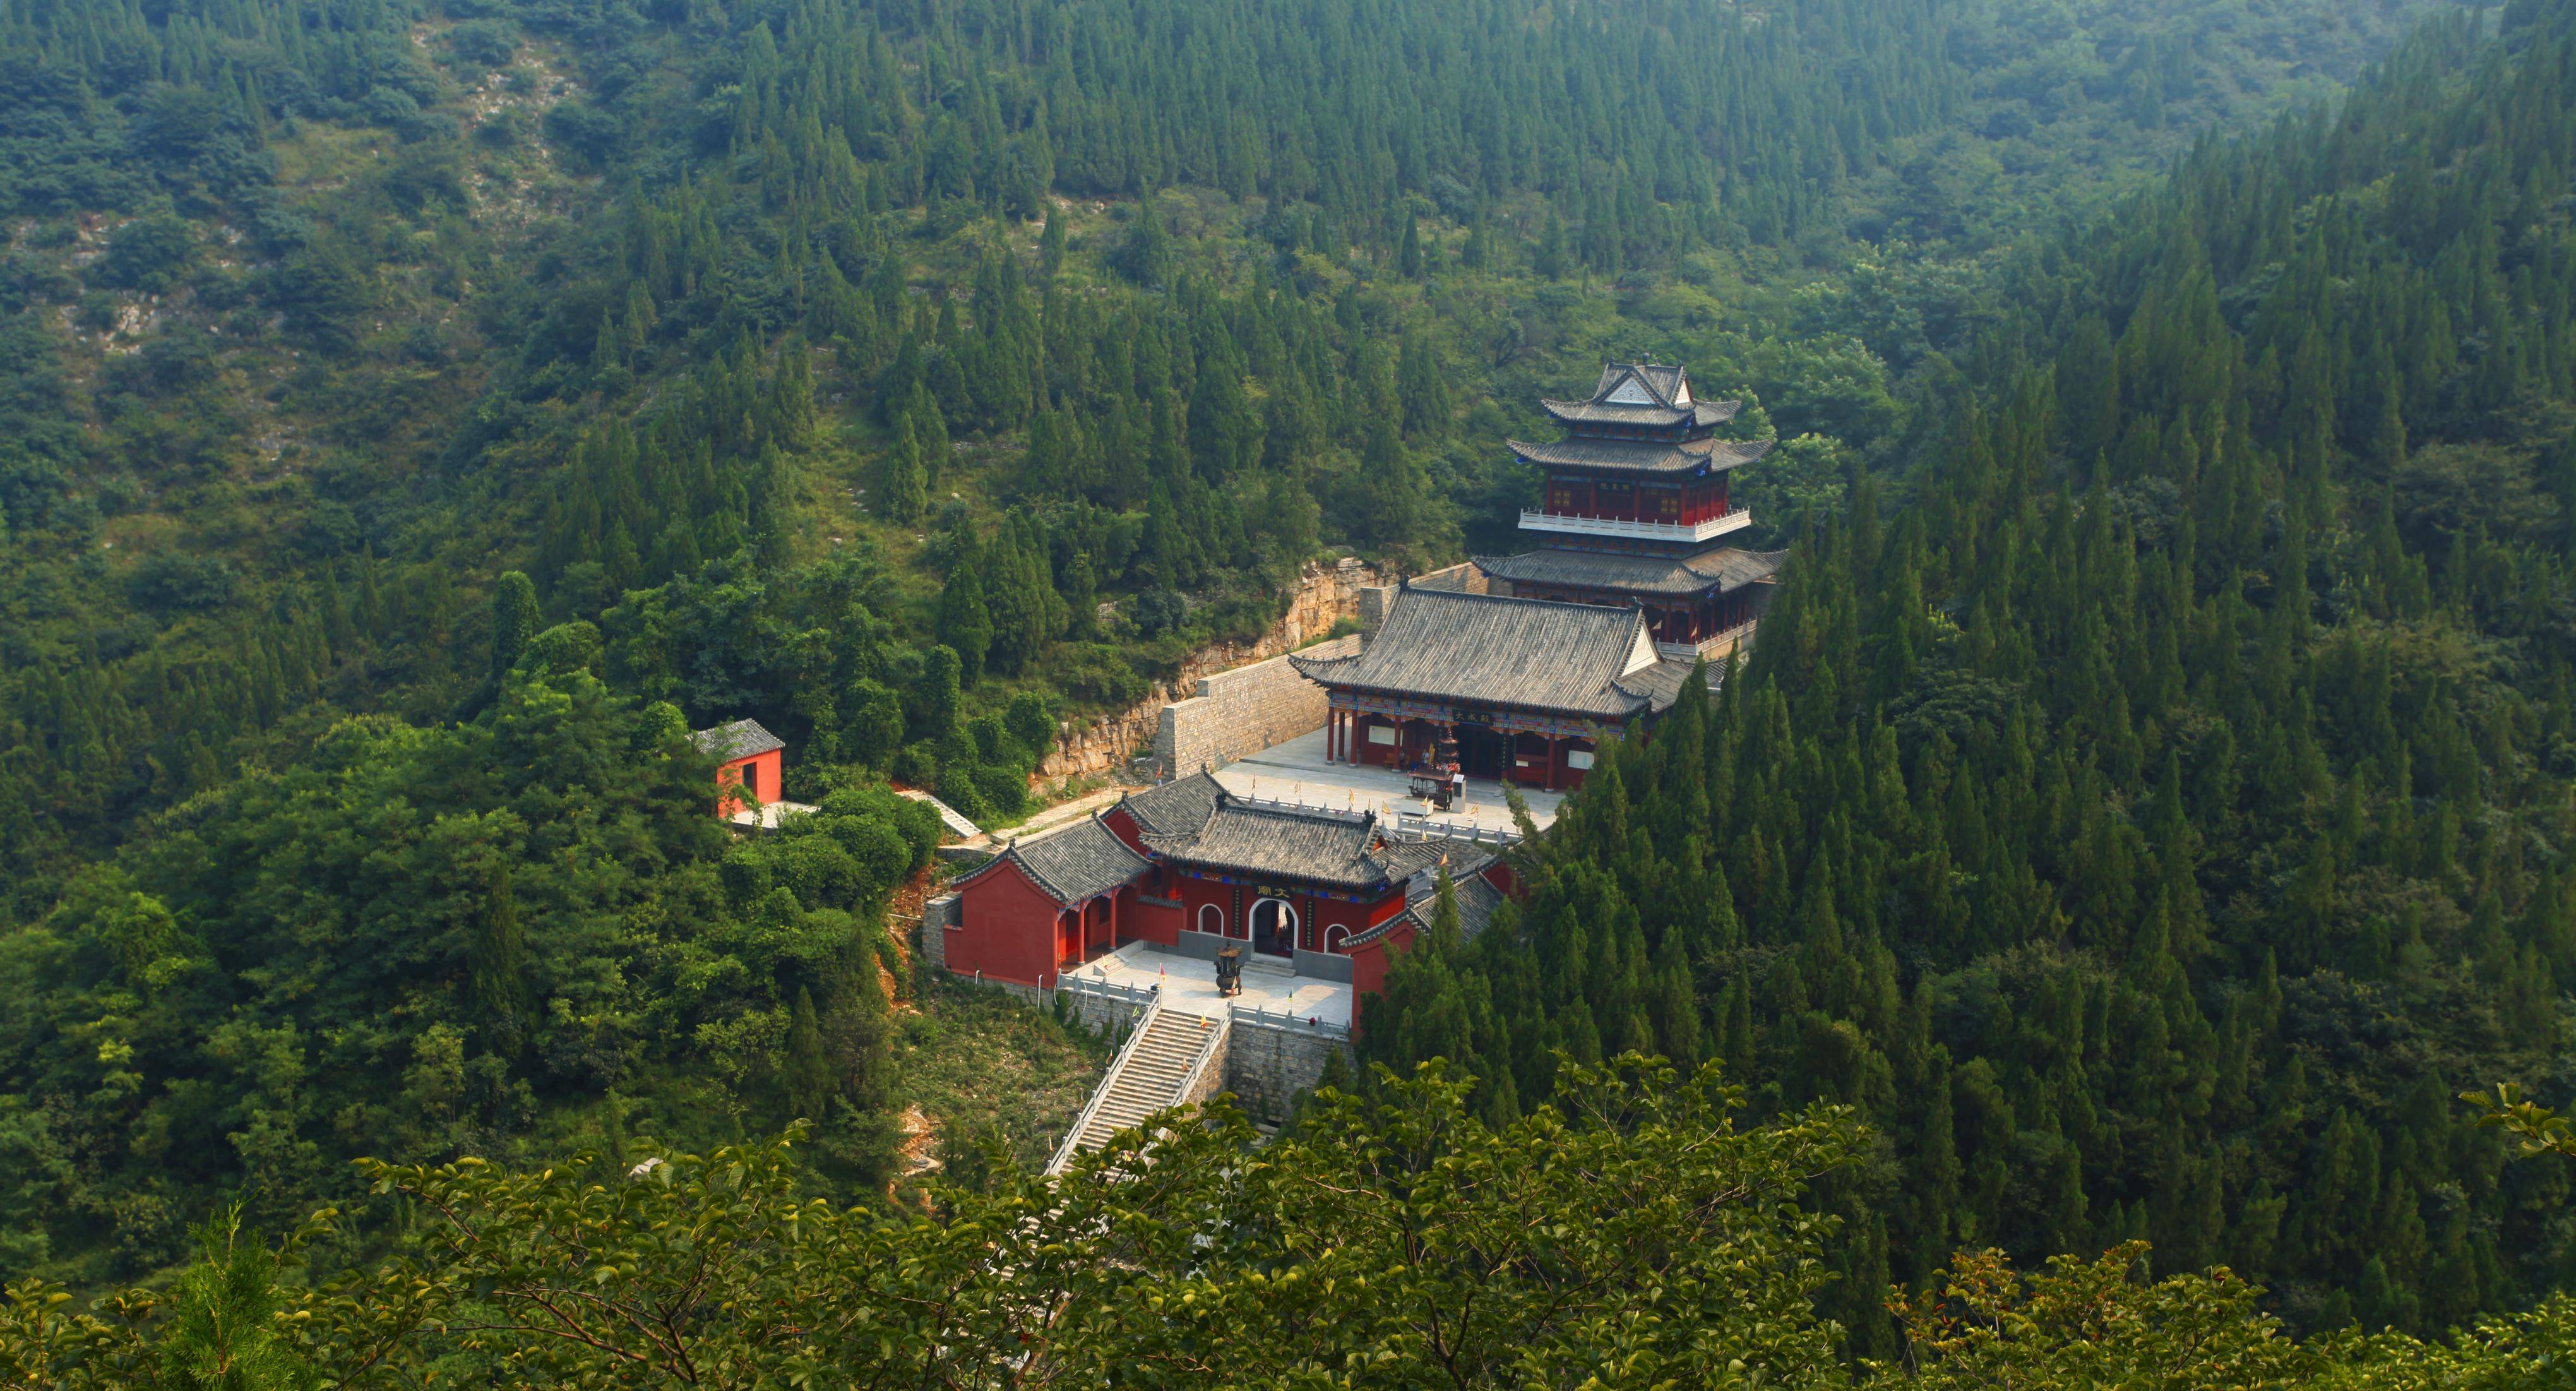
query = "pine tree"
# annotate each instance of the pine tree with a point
(964, 622)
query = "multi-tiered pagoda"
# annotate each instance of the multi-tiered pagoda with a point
(1636, 511)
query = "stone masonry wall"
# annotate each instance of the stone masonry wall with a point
(1212, 1081)
(1268, 1066)
(1326, 594)
(1243, 711)
(1463, 577)
(936, 916)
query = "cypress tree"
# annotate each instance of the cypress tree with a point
(514, 621)
(965, 622)
(805, 1074)
(496, 963)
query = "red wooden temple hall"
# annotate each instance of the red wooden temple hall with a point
(1190, 868)
(1635, 508)
(1522, 685)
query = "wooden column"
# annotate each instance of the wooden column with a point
(1551, 763)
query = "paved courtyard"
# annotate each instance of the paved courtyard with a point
(1297, 771)
(1189, 985)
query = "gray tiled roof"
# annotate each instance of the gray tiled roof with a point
(1721, 570)
(1325, 849)
(1440, 645)
(1477, 900)
(1069, 865)
(1660, 684)
(1662, 379)
(1643, 456)
(740, 739)
(1182, 805)
(1697, 414)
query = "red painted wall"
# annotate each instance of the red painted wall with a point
(1140, 921)
(1122, 824)
(763, 774)
(1316, 913)
(1385, 755)
(1369, 966)
(1006, 929)
(1370, 963)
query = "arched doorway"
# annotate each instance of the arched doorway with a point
(1333, 938)
(1211, 920)
(1274, 927)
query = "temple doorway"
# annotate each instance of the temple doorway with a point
(1482, 753)
(1274, 927)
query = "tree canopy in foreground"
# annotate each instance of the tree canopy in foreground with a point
(1630, 1233)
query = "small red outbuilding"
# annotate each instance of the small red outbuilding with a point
(747, 756)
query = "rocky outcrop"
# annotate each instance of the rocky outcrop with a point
(1326, 594)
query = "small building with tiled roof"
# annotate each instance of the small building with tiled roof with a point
(1042, 904)
(1519, 687)
(747, 756)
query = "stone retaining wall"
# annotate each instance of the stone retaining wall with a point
(1243, 711)
(937, 916)
(1212, 1081)
(1325, 595)
(1463, 577)
(1269, 1066)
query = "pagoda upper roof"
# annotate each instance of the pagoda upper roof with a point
(1081, 861)
(1683, 458)
(1719, 571)
(1650, 394)
(1584, 660)
(1696, 414)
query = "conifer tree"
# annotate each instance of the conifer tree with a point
(496, 963)
(514, 621)
(965, 622)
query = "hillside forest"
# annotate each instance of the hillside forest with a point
(2146, 809)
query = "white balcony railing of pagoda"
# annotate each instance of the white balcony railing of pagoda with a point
(1736, 520)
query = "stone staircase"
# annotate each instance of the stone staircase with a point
(1172, 1059)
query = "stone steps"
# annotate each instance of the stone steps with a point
(1149, 1078)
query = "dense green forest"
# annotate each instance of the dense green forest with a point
(419, 415)
(2158, 805)
(1637, 1232)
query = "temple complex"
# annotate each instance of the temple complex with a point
(1192, 869)
(1636, 508)
(1594, 633)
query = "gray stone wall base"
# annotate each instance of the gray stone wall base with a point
(1242, 712)
(1268, 1067)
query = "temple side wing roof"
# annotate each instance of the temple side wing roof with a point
(1078, 862)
